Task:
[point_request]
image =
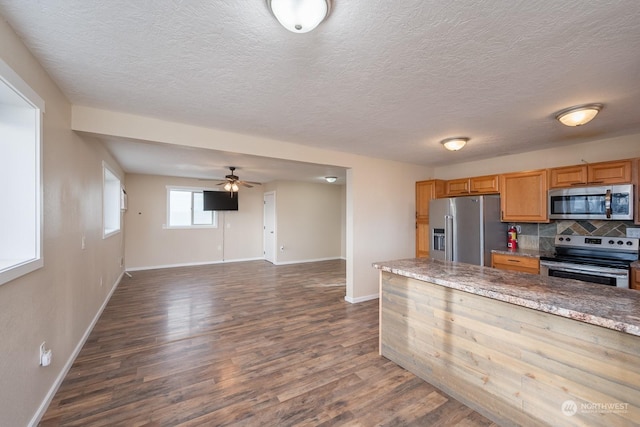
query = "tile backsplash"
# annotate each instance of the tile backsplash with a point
(540, 236)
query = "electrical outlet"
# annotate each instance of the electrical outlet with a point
(83, 245)
(100, 281)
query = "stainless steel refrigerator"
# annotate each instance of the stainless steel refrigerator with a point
(466, 229)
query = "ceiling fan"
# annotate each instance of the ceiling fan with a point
(232, 181)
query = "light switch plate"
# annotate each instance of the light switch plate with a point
(633, 232)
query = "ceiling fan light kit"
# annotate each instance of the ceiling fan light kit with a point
(232, 182)
(300, 16)
(578, 115)
(454, 144)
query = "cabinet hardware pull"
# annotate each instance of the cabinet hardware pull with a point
(513, 260)
(596, 182)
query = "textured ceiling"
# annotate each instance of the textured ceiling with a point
(378, 78)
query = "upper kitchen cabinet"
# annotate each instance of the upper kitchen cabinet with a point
(470, 186)
(457, 187)
(425, 191)
(489, 184)
(523, 196)
(618, 172)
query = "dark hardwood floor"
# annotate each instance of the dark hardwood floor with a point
(247, 344)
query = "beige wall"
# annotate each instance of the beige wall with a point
(380, 204)
(624, 147)
(149, 244)
(58, 302)
(309, 221)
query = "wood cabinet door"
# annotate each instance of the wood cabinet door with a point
(634, 280)
(523, 196)
(489, 184)
(425, 191)
(567, 176)
(456, 187)
(610, 172)
(422, 239)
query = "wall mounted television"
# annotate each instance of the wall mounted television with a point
(220, 201)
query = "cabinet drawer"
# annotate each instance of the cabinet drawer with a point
(515, 263)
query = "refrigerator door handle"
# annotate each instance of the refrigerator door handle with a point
(448, 232)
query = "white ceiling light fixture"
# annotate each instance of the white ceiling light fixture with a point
(454, 144)
(331, 179)
(578, 115)
(300, 16)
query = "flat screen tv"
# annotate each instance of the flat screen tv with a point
(220, 201)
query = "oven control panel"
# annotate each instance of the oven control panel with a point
(626, 244)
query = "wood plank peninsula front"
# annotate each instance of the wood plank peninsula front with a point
(521, 349)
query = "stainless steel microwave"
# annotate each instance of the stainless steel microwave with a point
(602, 202)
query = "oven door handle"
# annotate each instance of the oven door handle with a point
(607, 203)
(551, 266)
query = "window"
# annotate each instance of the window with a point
(185, 209)
(111, 201)
(21, 110)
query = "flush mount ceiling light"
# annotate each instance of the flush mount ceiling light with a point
(331, 179)
(454, 144)
(300, 16)
(578, 115)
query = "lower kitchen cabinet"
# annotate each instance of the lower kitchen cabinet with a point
(422, 239)
(635, 279)
(515, 262)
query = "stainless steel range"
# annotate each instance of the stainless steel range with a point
(602, 260)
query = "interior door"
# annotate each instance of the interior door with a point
(270, 227)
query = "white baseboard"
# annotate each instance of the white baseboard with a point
(361, 299)
(306, 260)
(192, 264)
(65, 369)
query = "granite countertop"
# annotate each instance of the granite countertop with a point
(609, 307)
(635, 264)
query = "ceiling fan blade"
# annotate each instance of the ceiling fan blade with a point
(245, 184)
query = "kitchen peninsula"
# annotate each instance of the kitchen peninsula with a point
(522, 349)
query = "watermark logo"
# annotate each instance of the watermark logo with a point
(569, 408)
